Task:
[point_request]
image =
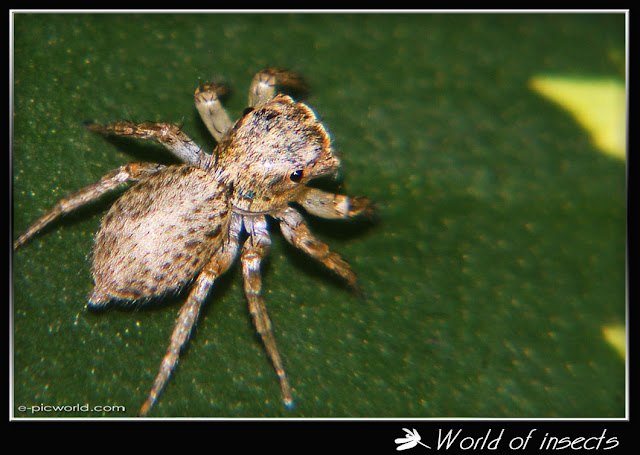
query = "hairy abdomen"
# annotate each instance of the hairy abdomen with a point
(159, 234)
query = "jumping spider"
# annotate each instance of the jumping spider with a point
(181, 224)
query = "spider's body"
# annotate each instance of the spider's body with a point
(174, 221)
(181, 224)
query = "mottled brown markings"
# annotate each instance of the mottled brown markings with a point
(190, 244)
(213, 233)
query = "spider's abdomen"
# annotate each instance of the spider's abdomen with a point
(159, 234)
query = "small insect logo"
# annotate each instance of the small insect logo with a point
(411, 439)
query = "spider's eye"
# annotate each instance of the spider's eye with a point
(296, 176)
(246, 111)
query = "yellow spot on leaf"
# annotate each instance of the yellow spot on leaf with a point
(616, 337)
(597, 104)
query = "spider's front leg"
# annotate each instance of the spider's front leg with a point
(297, 233)
(168, 134)
(335, 206)
(131, 171)
(221, 261)
(253, 251)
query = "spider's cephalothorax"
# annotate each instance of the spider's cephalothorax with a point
(181, 224)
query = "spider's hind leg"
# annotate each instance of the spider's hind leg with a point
(219, 263)
(181, 332)
(131, 171)
(270, 81)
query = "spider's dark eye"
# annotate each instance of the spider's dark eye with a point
(246, 111)
(296, 176)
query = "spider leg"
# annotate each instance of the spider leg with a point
(266, 82)
(168, 134)
(213, 114)
(131, 171)
(189, 312)
(253, 251)
(297, 233)
(329, 205)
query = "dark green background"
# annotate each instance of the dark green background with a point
(497, 261)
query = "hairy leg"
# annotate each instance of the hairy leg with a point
(212, 112)
(131, 171)
(168, 134)
(253, 251)
(329, 205)
(297, 233)
(266, 83)
(189, 312)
